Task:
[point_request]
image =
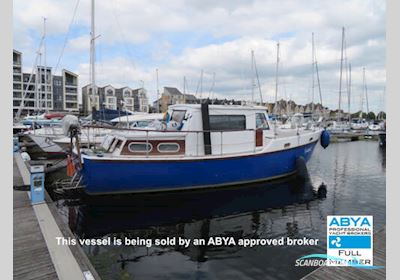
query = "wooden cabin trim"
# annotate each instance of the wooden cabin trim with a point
(154, 151)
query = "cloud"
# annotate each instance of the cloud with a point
(182, 37)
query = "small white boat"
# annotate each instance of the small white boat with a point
(375, 126)
(339, 127)
(359, 124)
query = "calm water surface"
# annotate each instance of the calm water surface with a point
(354, 175)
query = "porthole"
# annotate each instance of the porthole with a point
(168, 147)
(139, 147)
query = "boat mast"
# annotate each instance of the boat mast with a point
(39, 84)
(366, 91)
(258, 79)
(26, 89)
(92, 56)
(252, 77)
(341, 70)
(276, 75)
(349, 93)
(158, 93)
(316, 70)
(362, 97)
(211, 94)
(201, 84)
(45, 64)
(276, 84)
(312, 73)
(184, 89)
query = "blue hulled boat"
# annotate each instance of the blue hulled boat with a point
(197, 146)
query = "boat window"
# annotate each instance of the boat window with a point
(227, 122)
(138, 147)
(168, 147)
(261, 121)
(178, 115)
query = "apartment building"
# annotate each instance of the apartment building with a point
(43, 91)
(124, 98)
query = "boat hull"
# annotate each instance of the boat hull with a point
(109, 176)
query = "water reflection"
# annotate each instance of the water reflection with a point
(280, 208)
(97, 217)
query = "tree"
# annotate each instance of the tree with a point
(381, 115)
(371, 116)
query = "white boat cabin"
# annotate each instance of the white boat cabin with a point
(193, 131)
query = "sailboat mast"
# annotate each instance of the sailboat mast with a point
(158, 93)
(276, 86)
(349, 93)
(39, 82)
(184, 89)
(276, 76)
(341, 72)
(252, 77)
(45, 63)
(366, 91)
(211, 93)
(201, 84)
(312, 72)
(362, 95)
(92, 55)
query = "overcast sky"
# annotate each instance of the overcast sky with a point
(182, 37)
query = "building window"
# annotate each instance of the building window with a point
(261, 121)
(227, 122)
(110, 92)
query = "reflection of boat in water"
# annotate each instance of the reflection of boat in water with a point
(382, 139)
(102, 216)
(280, 209)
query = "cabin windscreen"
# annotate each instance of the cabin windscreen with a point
(178, 115)
(261, 121)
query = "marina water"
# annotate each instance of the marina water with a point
(353, 174)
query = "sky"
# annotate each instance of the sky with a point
(181, 38)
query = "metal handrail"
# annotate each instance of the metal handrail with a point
(167, 131)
